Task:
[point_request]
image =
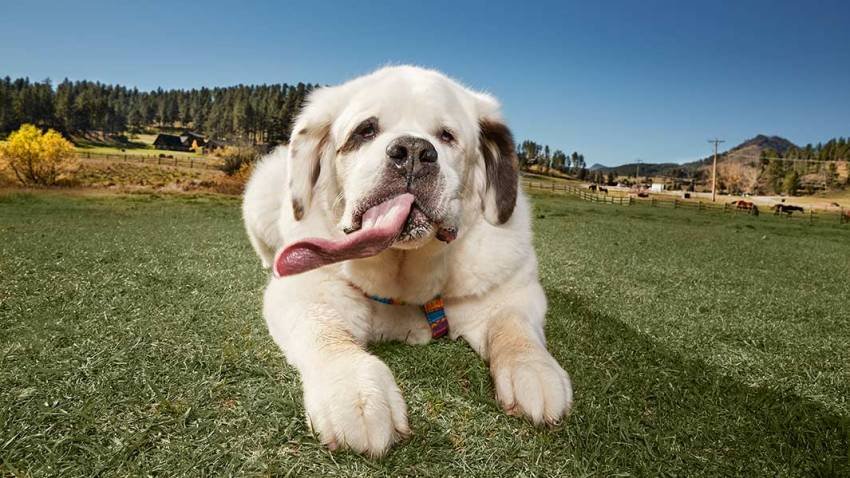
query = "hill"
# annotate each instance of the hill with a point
(749, 150)
(744, 153)
(647, 169)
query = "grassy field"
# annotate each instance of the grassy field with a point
(98, 173)
(131, 343)
(139, 145)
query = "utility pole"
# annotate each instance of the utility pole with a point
(714, 169)
(637, 169)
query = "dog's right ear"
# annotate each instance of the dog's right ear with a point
(309, 143)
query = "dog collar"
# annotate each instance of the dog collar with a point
(434, 310)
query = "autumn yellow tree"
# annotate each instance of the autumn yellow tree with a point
(38, 158)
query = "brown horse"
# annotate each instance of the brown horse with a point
(787, 209)
(747, 206)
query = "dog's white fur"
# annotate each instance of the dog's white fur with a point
(487, 276)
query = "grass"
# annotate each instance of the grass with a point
(114, 150)
(131, 343)
(140, 145)
(110, 173)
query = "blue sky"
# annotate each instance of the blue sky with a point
(615, 80)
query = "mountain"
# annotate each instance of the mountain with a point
(744, 153)
(646, 169)
(750, 150)
(761, 142)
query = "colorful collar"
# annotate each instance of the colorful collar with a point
(434, 311)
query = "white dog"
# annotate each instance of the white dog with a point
(395, 214)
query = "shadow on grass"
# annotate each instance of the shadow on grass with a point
(686, 412)
(640, 409)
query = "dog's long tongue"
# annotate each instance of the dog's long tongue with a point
(380, 227)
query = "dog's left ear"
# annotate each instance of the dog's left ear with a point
(501, 164)
(309, 142)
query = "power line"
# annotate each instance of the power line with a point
(685, 161)
(791, 159)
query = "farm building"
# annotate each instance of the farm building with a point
(189, 138)
(214, 144)
(657, 187)
(184, 142)
(170, 142)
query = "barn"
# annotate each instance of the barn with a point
(189, 138)
(170, 142)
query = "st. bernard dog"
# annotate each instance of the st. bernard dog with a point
(395, 213)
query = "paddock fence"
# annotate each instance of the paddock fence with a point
(619, 198)
(155, 159)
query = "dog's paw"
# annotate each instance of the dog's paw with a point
(533, 384)
(356, 404)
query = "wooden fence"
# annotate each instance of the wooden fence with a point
(810, 215)
(154, 159)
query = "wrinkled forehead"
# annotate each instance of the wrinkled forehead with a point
(408, 104)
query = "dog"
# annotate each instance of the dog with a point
(395, 213)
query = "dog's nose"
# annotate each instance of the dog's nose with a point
(410, 154)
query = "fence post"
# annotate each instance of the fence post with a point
(675, 203)
(191, 163)
(700, 207)
(811, 216)
(652, 202)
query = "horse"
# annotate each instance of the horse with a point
(592, 187)
(787, 209)
(750, 207)
(602, 190)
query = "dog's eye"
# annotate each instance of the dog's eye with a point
(367, 130)
(446, 136)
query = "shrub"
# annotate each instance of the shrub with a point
(234, 183)
(38, 158)
(237, 157)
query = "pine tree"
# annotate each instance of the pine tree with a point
(791, 183)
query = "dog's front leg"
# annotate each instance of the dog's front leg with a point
(528, 380)
(506, 328)
(350, 396)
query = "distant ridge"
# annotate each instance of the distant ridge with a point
(745, 152)
(647, 169)
(750, 149)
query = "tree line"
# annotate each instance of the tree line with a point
(785, 172)
(531, 153)
(252, 113)
(255, 113)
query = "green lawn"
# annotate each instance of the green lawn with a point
(131, 343)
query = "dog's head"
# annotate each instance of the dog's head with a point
(404, 130)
